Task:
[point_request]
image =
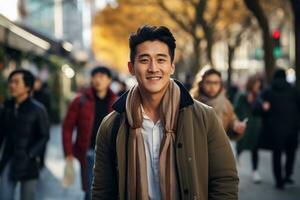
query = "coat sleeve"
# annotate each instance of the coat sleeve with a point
(69, 124)
(42, 132)
(232, 118)
(104, 185)
(223, 178)
(238, 106)
(257, 106)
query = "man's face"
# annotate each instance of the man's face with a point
(101, 82)
(212, 85)
(37, 85)
(152, 66)
(17, 86)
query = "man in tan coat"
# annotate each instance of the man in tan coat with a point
(159, 143)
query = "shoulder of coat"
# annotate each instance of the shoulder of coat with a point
(108, 120)
(200, 109)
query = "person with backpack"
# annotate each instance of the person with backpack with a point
(85, 113)
(160, 143)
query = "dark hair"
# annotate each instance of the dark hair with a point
(211, 72)
(28, 77)
(151, 33)
(279, 74)
(205, 75)
(251, 82)
(102, 70)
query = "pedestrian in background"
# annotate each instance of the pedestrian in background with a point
(85, 113)
(42, 95)
(243, 108)
(159, 143)
(209, 90)
(279, 108)
(24, 127)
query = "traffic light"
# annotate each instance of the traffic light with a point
(276, 43)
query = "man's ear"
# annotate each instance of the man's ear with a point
(172, 68)
(131, 68)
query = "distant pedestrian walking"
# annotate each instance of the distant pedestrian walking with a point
(85, 113)
(279, 108)
(42, 95)
(24, 131)
(244, 110)
(209, 90)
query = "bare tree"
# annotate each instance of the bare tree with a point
(255, 8)
(192, 25)
(234, 41)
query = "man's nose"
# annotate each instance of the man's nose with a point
(152, 66)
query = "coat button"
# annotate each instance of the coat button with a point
(185, 191)
(179, 145)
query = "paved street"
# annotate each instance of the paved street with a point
(50, 186)
(50, 183)
(266, 189)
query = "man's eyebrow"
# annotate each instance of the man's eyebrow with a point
(158, 55)
(143, 55)
(162, 55)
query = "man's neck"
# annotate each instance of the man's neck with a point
(151, 105)
(21, 99)
(101, 94)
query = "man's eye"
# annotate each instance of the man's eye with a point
(161, 60)
(144, 60)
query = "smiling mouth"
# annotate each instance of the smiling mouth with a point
(155, 78)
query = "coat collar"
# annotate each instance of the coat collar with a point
(185, 99)
(11, 103)
(90, 93)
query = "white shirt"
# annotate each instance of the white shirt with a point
(152, 134)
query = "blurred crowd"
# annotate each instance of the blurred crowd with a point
(261, 116)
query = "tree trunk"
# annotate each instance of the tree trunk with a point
(196, 57)
(210, 42)
(254, 7)
(231, 51)
(296, 10)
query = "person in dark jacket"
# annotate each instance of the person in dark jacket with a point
(279, 106)
(42, 95)
(85, 113)
(24, 127)
(243, 108)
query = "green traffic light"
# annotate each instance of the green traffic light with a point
(277, 52)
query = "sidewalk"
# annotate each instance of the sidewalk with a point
(266, 190)
(49, 185)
